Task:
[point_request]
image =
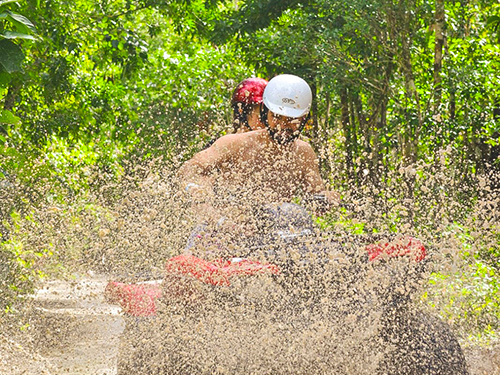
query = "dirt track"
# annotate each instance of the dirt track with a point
(73, 331)
(77, 332)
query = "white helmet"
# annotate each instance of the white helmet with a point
(288, 95)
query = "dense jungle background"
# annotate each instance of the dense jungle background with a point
(100, 100)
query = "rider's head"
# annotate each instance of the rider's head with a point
(246, 101)
(287, 100)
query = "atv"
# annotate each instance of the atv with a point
(290, 300)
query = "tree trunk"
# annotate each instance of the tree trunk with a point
(353, 139)
(346, 126)
(410, 151)
(327, 114)
(314, 110)
(453, 104)
(10, 98)
(377, 148)
(439, 31)
(362, 134)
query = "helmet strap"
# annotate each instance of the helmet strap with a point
(263, 118)
(241, 112)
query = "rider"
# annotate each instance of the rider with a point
(266, 165)
(246, 101)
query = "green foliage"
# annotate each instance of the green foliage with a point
(494, 23)
(187, 101)
(342, 221)
(19, 265)
(108, 70)
(470, 299)
(14, 28)
(7, 117)
(12, 56)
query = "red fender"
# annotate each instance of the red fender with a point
(134, 299)
(219, 271)
(141, 299)
(405, 246)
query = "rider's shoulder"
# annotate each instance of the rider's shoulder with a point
(303, 146)
(243, 137)
(304, 151)
(225, 140)
(233, 141)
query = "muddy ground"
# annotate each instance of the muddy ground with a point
(74, 331)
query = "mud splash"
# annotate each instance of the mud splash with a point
(331, 321)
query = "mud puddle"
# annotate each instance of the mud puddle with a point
(76, 331)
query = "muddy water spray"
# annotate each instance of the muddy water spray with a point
(258, 325)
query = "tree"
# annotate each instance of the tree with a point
(14, 28)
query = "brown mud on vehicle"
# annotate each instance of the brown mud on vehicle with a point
(330, 310)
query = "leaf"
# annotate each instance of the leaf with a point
(22, 24)
(493, 21)
(4, 77)
(6, 117)
(16, 35)
(11, 56)
(4, 2)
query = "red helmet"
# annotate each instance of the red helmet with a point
(249, 91)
